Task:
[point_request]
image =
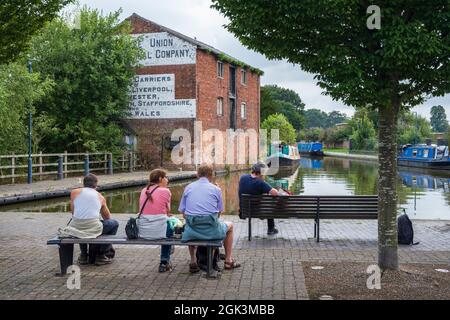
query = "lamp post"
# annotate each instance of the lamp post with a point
(30, 124)
(415, 127)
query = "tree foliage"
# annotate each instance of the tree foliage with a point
(280, 122)
(438, 119)
(413, 129)
(20, 20)
(92, 68)
(19, 91)
(275, 99)
(316, 118)
(363, 135)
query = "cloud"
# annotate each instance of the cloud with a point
(196, 19)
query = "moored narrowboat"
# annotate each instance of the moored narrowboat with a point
(310, 148)
(425, 156)
(286, 155)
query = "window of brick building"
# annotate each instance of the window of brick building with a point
(220, 106)
(244, 77)
(220, 69)
(243, 110)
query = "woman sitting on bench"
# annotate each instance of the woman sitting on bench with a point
(155, 210)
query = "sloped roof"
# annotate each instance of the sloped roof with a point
(199, 44)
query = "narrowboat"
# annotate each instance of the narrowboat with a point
(287, 155)
(310, 148)
(424, 156)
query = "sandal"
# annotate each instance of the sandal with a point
(231, 265)
(193, 268)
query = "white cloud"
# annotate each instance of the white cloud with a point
(196, 19)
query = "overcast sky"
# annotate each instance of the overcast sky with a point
(196, 19)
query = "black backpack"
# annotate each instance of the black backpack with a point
(202, 258)
(405, 230)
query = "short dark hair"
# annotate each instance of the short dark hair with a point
(256, 168)
(90, 181)
(205, 170)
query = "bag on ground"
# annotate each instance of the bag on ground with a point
(405, 230)
(202, 258)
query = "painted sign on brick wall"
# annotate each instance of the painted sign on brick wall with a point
(162, 48)
(153, 97)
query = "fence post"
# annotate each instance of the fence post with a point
(86, 164)
(65, 163)
(13, 167)
(30, 168)
(130, 161)
(110, 163)
(40, 165)
(60, 167)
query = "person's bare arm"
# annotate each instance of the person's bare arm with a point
(104, 211)
(273, 192)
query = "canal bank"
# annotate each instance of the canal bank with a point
(17, 193)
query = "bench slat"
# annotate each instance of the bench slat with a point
(121, 240)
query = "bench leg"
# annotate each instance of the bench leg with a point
(318, 230)
(211, 272)
(65, 257)
(249, 229)
(315, 228)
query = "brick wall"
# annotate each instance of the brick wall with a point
(210, 87)
(193, 81)
(151, 131)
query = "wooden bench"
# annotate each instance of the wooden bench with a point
(66, 248)
(308, 207)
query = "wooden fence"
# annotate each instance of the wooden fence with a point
(65, 164)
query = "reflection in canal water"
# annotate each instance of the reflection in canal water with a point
(424, 195)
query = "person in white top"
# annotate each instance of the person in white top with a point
(88, 205)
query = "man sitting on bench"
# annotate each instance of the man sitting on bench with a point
(201, 205)
(254, 184)
(86, 205)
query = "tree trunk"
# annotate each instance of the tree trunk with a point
(387, 187)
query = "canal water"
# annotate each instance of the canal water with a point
(424, 195)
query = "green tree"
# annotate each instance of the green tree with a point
(316, 118)
(20, 20)
(268, 105)
(280, 122)
(413, 129)
(92, 68)
(275, 99)
(19, 91)
(335, 117)
(310, 134)
(364, 136)
(438, 119)
(394, 67)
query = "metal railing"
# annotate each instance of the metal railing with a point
(65, 164)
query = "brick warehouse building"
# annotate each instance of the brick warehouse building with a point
(182, 81)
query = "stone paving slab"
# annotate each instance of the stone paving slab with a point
(271, 266)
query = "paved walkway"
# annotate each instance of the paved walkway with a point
(271, 266)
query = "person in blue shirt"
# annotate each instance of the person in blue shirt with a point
(201, 205)
(254, 184)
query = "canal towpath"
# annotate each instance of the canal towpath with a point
(15, 193)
